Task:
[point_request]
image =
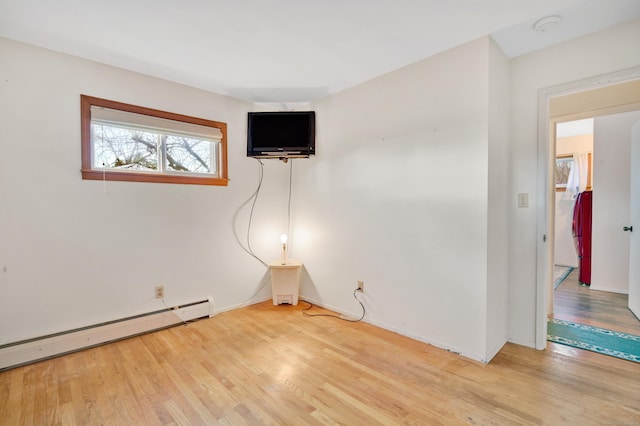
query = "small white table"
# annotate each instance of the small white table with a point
(285, 281)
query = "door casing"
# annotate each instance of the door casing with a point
(545, 213)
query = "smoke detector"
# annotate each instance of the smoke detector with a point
(547, 23)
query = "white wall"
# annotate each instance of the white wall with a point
(611, 174)
(397, 196)
(599, 53)
(76, 252)
(498, 168)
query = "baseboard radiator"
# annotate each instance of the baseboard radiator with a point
(32, 350)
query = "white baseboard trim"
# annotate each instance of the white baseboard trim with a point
(240, 305)
(492, 352)
(28, 351)
(344, 314)
(526, 343)
(474, 356)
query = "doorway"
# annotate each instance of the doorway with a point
(589, 98)
(604, 303)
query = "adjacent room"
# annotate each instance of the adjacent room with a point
(593, 267)
(170, 255)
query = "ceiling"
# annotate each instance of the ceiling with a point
(574, 128)
(284, 52)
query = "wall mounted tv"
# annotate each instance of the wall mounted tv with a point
(287, 134)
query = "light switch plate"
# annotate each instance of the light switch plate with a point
(523, 200)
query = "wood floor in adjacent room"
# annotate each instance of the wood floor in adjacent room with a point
(268, 364)
(581, 304)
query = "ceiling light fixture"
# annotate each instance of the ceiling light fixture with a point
(547, 23)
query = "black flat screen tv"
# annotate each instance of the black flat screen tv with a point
(287, 134)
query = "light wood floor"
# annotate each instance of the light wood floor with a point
(581, 304)
(268, 364)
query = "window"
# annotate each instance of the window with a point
(563, 168)
(564, 164)
(130, 143)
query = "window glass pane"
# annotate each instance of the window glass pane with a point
(563, 168)
(190, 155)
(121, 148)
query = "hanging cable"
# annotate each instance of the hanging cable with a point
(253, 197)
(253, 205)
(289, 204)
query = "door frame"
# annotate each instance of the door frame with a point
(545, 213)
(633, 301)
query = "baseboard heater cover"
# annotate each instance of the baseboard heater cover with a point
(40, 348)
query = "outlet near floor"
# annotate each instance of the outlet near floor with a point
(160, 292)
(361, 286)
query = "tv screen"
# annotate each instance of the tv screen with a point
(281, 134)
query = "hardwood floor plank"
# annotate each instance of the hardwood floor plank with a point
(268, 364)
(11, 411)
(578, 303)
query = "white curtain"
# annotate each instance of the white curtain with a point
(578, 175)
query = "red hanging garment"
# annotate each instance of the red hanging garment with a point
(581, 226)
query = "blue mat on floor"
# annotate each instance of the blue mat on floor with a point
(608, 342)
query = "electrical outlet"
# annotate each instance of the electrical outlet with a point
(361, 286)
(160, 292)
